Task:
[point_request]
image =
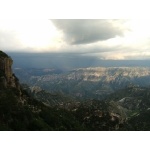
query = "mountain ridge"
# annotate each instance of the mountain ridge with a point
(87, 83)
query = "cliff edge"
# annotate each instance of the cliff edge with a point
(7, 78)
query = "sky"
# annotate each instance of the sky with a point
(104, 38)
(117, 29)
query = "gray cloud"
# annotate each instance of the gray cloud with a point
(102, 38)
(81, 31)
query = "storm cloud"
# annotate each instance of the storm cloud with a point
(99, 38)
(81, 31)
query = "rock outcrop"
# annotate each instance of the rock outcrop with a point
(7, 75)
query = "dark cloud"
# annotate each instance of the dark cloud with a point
(81, 31)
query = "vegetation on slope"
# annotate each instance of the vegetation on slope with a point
(2, 54)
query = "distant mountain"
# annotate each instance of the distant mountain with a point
(86, 83)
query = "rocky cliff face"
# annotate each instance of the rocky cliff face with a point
(7, 78)
(7, 75)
